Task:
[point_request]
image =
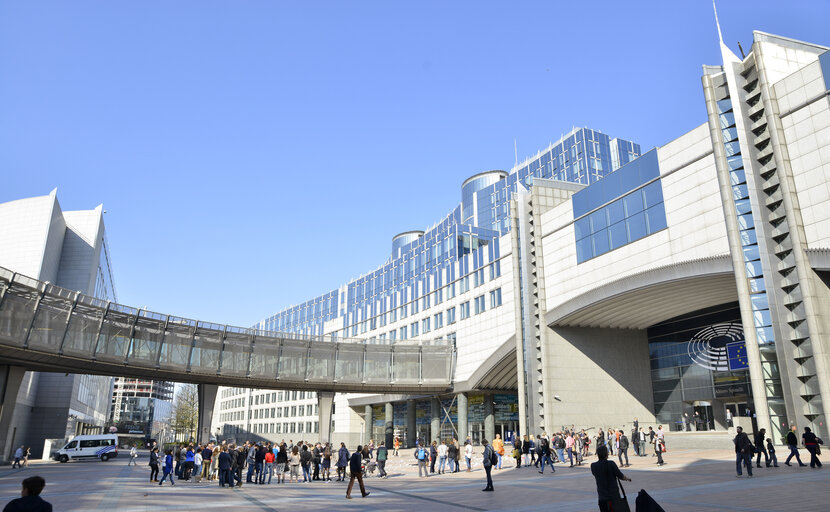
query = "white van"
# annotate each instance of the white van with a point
(103, 446)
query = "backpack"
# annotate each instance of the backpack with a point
(422, 454)
(494, 459)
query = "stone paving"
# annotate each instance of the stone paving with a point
(702, 480)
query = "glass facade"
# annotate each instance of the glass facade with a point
(606, 220)
(697, 366)
(459, 245)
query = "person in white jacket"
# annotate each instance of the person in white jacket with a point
(468, 454)
(442, 457)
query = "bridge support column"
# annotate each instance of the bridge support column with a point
(435, 423)
(462, 426)
(489, 418)
(325, 403)
(389, 425)
(411, 427)
(10, 380)
(207, 399)
(367, 427)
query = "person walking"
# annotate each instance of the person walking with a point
(380, 458)
(30, 500)
(18, 455)
(660, 447)
(518, 449)
(342, 461)
(792, 443)
(356, 471)
(168, 467)
(544, 455)
(421, 457)
(811, 442)
(468, 455)
(743, 452)
(489, 460)
(498, 447)
(133, 456)
(771, 450)
(397, 444)
(154, 464)
(607, 474)
(623, 450)
(760, 437)
(569, 445)
(434, 455)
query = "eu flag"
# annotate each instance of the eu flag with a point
(736, 353)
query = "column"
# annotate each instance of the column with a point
(325, 401)
(411, 427)
(435, 423)
(462, 426)
(207, 399)
(10, 379)
(389, 425)
(489, 417)
(367, 427)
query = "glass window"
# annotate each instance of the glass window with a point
(751, 253)
(740, 191)
(619, 236)
(765, 335)
(732, 148)
(599, 220)
(746, 221)
(748, 237)
(735, 162)
(403, 333)
(636, 225)
(584, 250)
(653, 193)
(616, 212)
(743, 206)
(730, 134)
(753, 269)
(759, 301)
(737, 177)
(600, 242)
(451, 316)
(762, 318)
(656, 216)
(633, 203)
(757, 285)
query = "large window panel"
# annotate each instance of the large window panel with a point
(656, 216)
(600, 242)
(636, 226)
(633, 203)
(619, 235)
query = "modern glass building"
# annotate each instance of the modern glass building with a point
(435, 284)
(70, 249)
(590, 284)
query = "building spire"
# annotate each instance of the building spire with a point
(717, 22)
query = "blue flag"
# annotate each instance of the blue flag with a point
(736, 353)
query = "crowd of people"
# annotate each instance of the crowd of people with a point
(745, 449)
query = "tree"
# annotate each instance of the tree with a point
(185, 418)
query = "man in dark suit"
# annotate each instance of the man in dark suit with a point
(225, 465)
(356, 471)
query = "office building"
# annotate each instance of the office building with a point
(67, 248)
(141, 408)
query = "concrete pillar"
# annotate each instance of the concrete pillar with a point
(389, 425)
(10, 379)
(207, 399)
(325, 402)
(462, 426)
(435, 423)
(411, 427)
(489, 417)
(367, 427)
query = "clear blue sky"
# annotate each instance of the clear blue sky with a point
(254, 154)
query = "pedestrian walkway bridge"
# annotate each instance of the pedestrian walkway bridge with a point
(48, 328)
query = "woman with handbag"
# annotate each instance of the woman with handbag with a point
(607, 475)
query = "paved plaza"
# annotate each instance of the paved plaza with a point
(701, 480)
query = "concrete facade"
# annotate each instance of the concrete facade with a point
(69, 249)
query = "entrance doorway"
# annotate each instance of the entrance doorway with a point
(507, 430)
(703, 417)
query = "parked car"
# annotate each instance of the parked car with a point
(103, 447)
